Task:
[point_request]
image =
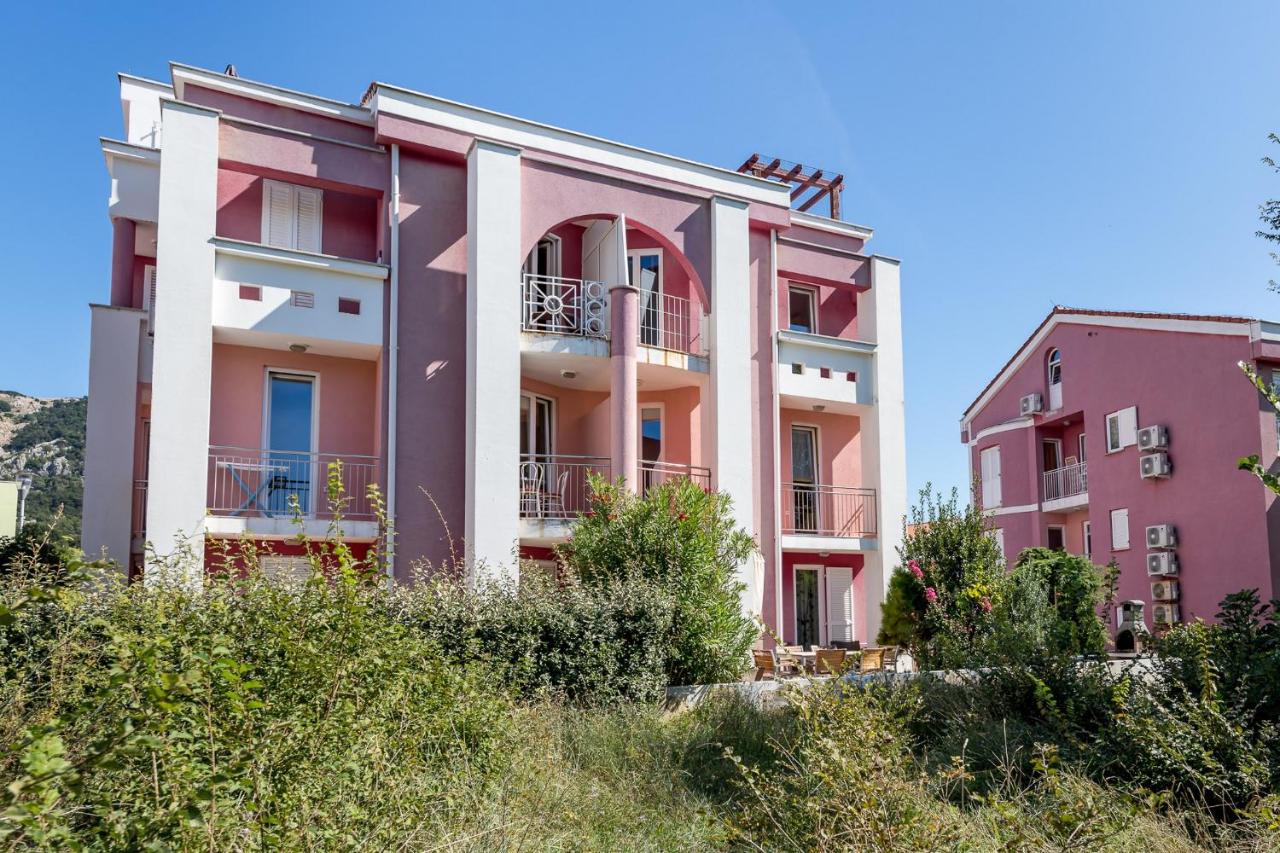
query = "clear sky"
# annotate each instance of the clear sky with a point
(1014, 154)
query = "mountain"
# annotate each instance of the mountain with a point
(45, 439)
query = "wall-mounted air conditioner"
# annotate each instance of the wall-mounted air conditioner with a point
(1162, 563)
(1164, 590)
(1162, 536)
(1153, 438)
(1154, 466)
(1031, 404)
(1166, 613)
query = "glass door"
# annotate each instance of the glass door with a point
(804, 479)
(806, 607)
(650, 447)
(290, 436)
(644, 272)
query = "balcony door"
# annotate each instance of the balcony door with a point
(288, 469)
(1051, 451)
(804, 479)
(644, 272)
(650, 446)
(807, 606)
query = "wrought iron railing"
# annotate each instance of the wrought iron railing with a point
(564, 306)
(556, 485)
(671, 323)
(828, 510)
(259, 483)
(1066, 481)
(654, 474)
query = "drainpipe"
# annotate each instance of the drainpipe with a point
(393, 352)
(777, 434)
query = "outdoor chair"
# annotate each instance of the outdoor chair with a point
(789, 659)
(847, 645)
(889, 663)
(765, 665)
(871, 660)
(555, 500)
(530, 490)
(830, 661)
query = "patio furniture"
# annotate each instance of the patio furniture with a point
(796, 659)
(555, 499)
(253, 479)
(847, 645)
(871, 660)
(766, 667)
(531, 479)
(829, 661)
(889, 663)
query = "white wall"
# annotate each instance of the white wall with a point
(884, 445)
(493, 358)
(113, 413)
(729, 399)
(177, 497)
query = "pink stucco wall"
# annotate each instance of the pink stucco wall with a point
(349, 222)
(279, 116)
(347, 395)
(839, 446)
(1187, 382)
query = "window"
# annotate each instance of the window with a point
(291, 216)
(1086, 536)
(1122, 429)
(1054, 365)
(802, 309)
(644, 272)
(990, 472)
(544, 260)
(1080, 442)
(537, 421)
(804, 478)
(290, 440)
(1056, 538)
(1119, 529)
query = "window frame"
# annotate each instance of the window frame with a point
(1053, 367)
(557, 261)
(1128, 539)
(1062, 532)
(553, 427)
(1123, 440)
(811, 296)
(1086, 537)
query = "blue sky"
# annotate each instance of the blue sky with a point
(1014, 155)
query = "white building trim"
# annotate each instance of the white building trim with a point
(1007, 426)
(1010, 510)
(834, 226)
(278, 95)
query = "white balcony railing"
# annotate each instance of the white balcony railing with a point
(654, 473)
(828, 510)
(254, 483)
(1066, 482)
(557, 485)
(564, 306)
(670, 322)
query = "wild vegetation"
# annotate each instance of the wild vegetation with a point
(332, 711)
(45, 440)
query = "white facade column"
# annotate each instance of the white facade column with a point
(883, 432)
(114, 342)
(181, 374)
(493, 359)
(729, 450)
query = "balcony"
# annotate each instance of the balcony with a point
(818, 370)
(654, 474)
(271, 297)
(554, 490)
(828, 518)
(279, 494)
(579, 308)
(1066, 487)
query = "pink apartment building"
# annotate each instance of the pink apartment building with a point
(1115, 435)
(478, 310)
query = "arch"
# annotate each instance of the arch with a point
(1053, 366)
(669, 247)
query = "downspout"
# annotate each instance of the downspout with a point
(777, 436)
(393, 356)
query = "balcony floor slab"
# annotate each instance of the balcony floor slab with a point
(828, 544)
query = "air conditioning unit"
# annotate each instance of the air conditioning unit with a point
(1154, 466)
(1129, 614)
(1166, 613)
(1031, 404)
(1162, 563)
(1164, 590)
(1153, 438)
(1162, 536)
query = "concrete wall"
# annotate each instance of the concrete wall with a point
(8, 509)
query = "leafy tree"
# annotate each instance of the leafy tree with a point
(1269, 212)
(682, 539)
(1049, 604)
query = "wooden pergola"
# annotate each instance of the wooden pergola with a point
(801, 180)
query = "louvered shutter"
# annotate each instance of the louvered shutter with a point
(839, 603)
(308, 219)
(149, 295)
(990, 471)
(1128, 427)
(278, 206)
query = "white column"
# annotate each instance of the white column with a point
(883, 433)
(729, 400)
(177, 492)
(493, 358)
(114, 341)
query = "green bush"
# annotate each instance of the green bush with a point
(682, 539)
(1049, 604)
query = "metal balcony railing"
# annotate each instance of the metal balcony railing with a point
(251, 482)
(654, 474)
(556, 485)
(1066, 481)
(828, 510)
(564, 306)
(670, 323)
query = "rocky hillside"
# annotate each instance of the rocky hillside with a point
(45, 438)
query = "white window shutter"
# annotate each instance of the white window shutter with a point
(308, 219)
(1119, 529)
(277, 214)
(990, 470)
(149, 295)
(839, 603)
(1128, 426)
